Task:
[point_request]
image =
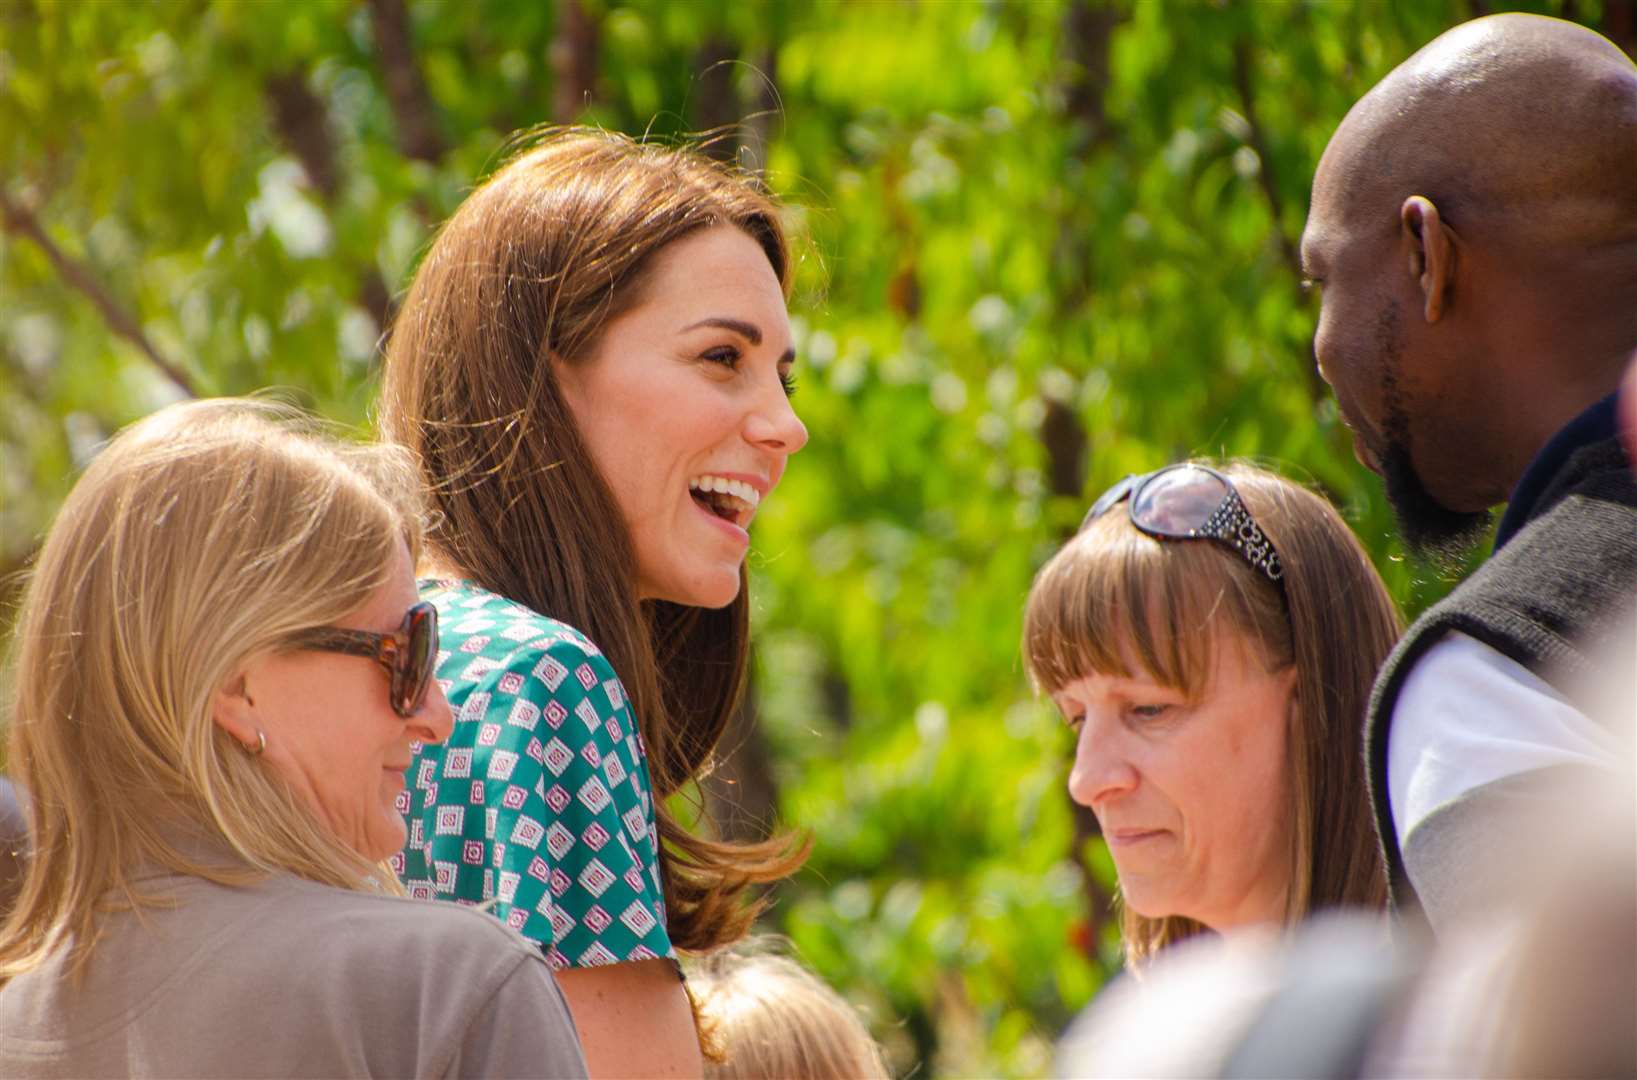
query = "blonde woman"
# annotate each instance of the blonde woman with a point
(222, 668)
(1211, 636)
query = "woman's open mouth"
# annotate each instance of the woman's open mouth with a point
(733, 501)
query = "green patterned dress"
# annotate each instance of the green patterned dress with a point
(540, 798)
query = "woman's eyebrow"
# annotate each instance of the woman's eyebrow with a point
(749, 331)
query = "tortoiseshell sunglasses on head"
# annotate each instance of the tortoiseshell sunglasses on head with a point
(410, 653)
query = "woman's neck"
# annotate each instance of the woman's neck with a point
(437, 564)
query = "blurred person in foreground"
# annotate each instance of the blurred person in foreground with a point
(1474, 233)
(768, 1016)
(222, 668)
(1211, 636)
(593, 370)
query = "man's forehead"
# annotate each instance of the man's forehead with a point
(1312, 247)
(1323, 217)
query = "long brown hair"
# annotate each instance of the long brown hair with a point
(200, 536)
(1171, 601)
(530, 269)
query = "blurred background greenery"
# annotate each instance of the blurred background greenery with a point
(1046, 244)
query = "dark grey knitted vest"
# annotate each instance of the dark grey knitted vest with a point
(1546, 600)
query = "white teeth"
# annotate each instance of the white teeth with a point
(722, 485)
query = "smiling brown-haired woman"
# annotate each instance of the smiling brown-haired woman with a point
(592, 368)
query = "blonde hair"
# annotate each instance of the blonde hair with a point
(200, 536)
(1168, 602)
(767, 1016)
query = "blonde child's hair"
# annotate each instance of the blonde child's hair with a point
(767, 1016)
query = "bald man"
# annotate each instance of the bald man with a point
(1473, 230)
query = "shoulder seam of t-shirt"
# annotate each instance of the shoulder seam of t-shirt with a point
(482, 921)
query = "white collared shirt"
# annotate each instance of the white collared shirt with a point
(1468, 715)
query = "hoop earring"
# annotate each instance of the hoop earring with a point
(261, 744)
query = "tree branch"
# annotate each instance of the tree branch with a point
(1244, 73)
(412, 106)
(20, 221)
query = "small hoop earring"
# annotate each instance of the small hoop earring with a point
(261, 744)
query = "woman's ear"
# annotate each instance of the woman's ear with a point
(569, 381)
(234, 711)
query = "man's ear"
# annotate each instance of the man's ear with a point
(1430, 246)
(234, 711)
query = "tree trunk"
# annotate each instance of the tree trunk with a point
(573, 57)
(412, 107)
(716, 98)
(1620, 24)
(757, 124)
(1244, 80)
(1086, 31)
(1087, 28)
(301, 120)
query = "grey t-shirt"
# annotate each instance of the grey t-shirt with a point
(289, 978)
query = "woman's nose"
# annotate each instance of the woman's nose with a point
(435, 720)
(774, 423)
(1102, 771)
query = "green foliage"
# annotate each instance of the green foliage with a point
(1013, 211)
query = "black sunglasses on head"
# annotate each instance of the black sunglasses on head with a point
(1191, 502)
(409, 653)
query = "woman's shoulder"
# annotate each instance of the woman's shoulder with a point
(501, 661)
(394, 953)
(166, 982)
(401, 932)
(486, 997)
(484, 625)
